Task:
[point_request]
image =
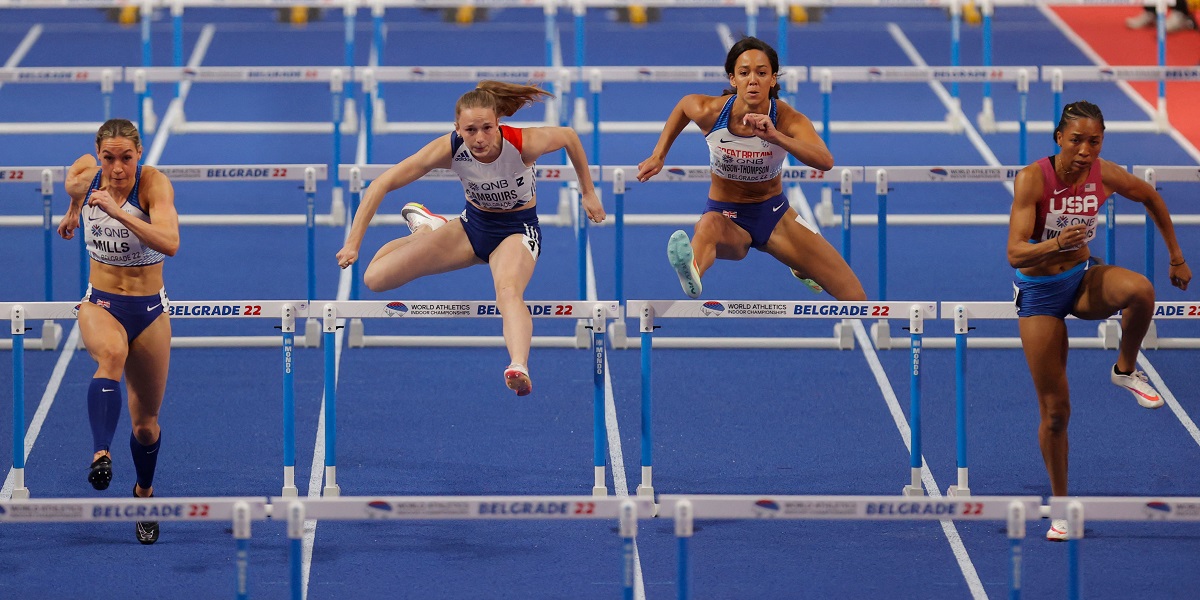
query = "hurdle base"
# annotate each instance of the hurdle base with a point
(289, 491)
(823, 211)
(583, 335)
(881, 334)
(312, 334)
(955, 491)
(912, 490)
(21, 493)
(51, 335)
(617, 334)
(647, 491)
(599, 490)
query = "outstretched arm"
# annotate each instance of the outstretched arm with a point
(544, 140)
(1126, 184)
(689, 109)
(434, 155)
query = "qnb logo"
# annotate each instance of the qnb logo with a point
(1157, 510)
(396, 309)
(96, 231)
(1074, 205)
(712, 308)
(766, 508)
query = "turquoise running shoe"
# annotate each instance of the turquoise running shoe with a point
(679, 252)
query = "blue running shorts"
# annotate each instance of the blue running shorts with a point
(758, 219)
(485, 230)
(134, 313)
(1052, 295)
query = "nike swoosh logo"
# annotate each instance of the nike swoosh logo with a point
(776, 209)
(725, 141)
(1062, 190)
(104, 390)
(150, 308)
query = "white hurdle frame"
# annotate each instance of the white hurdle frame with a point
(1078, 510)
(625, 510)
(285, 310)
(649, 310)
(1109, 333)
(51, 331)
(105, 77)
(686, 509)
(237, 511)
(597, 312)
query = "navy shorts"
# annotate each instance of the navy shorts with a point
(1052, 295)
(134, 313)
(485, 230)
(758, 219)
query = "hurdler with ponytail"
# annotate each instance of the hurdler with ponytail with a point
(499, 224)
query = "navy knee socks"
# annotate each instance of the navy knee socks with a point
(104, 409)
(144, 460)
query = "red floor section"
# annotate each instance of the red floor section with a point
(1103, 28)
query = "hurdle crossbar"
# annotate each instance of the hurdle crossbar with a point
(686, 509)
(104, 77)
(648, 310)
(962, 313)
(626, 511)
(239, 512)
(597, 313)
(286, 311)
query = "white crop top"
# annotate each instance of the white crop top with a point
(503, 184)
(108, 240)
(739, 158)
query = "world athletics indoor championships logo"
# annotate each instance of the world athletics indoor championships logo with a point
(378, 509)
(712, 308)
(396, 309)
(766, 508)
(937, 173)
(1157, 510)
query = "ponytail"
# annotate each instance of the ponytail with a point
(504, 98)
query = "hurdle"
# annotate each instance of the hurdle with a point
(1078, 510)
(51, 331)
(237, 511)
(105, 77)
(686, 509)
(1108, 338)
(792, 176)
(1153, 175)
(987, 118)
(336, 78)
(954, 120)
(567, 215)
(597, 312)
(649, 310)
(624, 510)
(286, 311)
